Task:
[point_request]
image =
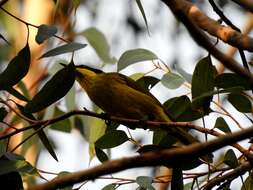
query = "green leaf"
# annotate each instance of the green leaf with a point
(168, 141)
(11, 180)
(41, 134)
(3, 113)
(147, 82)
(101, 155)
(95, 128)
(112, 126)
(78, 124)
(137, 76)
(228, 80)
(76, 3)
(145, 182)
(188, 186)
(203, 82)
(70, 99)
(139, 4)
(98, 41)
(63, 125)
(182, 72)
(24, 90)
(16, 69)
(45, 32)
(109, 187)
(248, 183)
(15, 164)
(222, 125)
(133, 56)
(67, 48)
(111, 139)
(230, 159)
(17, 94)
(240, 102)
(158, 135)
(172, 80)
(53, 90)
(180, 109)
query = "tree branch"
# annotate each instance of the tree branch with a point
(247, 4)
(229, 23)
(171, 157)
(240, 170)
(202, 39)
(152, 125)
(214, 28)
(3, 2)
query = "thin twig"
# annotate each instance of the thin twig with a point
(29, 24)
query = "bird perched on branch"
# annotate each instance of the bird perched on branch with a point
(119, 95)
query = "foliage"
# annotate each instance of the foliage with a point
(206, 92)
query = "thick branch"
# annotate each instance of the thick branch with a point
(247, 4)
(202, 39)
(226, 34)
(240, 170)
(171, 157)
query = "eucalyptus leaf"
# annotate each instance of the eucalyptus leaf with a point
(16, 69)
(147, 82)
(222, 125)
(76, 3)
(228, 80)
(109, 187)
(63, 125)
(17, 94)
(45, 32)
(16, 165)
(98, 41)
(41, 133)
(180, 109)
(133, 56)
(67, 48)
(111, 139)
(145, 182)
(240, 102)
(203, 82)
(230, 159)
(101, 155)
(182, 72)
(53, 90)
(139, 4)
(172, 80)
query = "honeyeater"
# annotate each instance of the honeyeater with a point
(119, 95)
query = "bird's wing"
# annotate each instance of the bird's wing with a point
(133, 84)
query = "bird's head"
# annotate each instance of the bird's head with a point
(84, 74)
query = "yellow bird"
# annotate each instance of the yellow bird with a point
(119, 95)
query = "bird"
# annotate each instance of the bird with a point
(119, 95)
